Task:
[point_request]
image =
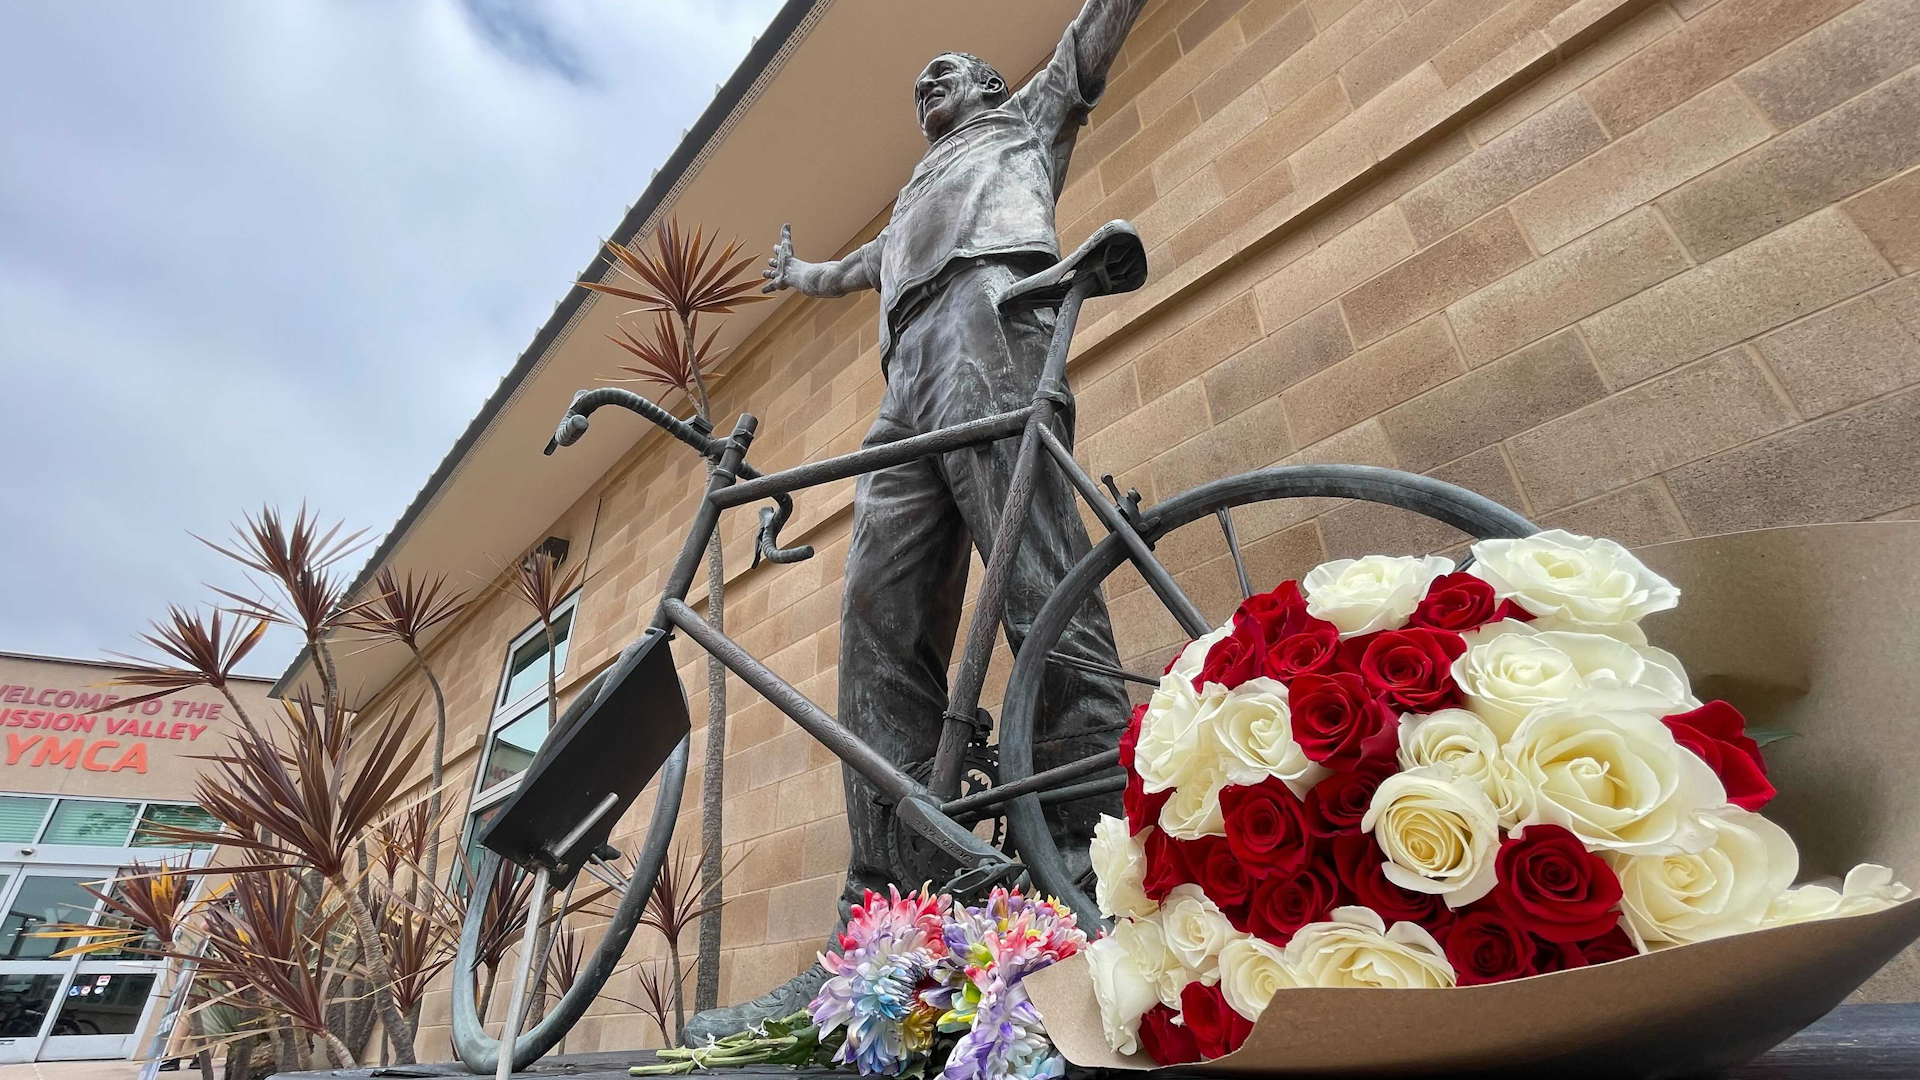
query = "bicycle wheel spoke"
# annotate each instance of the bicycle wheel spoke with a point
(1233, 546)
(1092, 667)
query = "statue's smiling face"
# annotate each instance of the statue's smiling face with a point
(951, 90)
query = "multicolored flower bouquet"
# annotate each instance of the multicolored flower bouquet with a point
(921, 986)
(1391, 774)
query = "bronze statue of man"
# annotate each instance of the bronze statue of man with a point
(977, 215)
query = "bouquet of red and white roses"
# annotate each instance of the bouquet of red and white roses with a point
(1393, 774)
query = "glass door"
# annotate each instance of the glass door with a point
(65, 1008)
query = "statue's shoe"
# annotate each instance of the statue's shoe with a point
(781, 1001)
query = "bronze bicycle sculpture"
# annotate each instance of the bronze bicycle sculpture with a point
(977, 316)
(630, 723)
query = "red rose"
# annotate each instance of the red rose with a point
(1485, 946)
(1461, 602)
(1141, 808)
(1358, 860)
(1226, 880)
(1234, 659)
(1283, 903)
(1167, 866)
(1314, 648)
(1130, 738)
(1267, 827)
(1274, 611)
(1337, 803)
(1411, 669)
(1166, 1042)
(1217, 1029)
(1549, 956)
(1610, 946)
(1552, 956)
(1552, 886)
(1718, 734)
(1337, 721)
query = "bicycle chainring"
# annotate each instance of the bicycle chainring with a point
(914, 860)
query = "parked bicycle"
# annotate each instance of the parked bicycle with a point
(630, 724)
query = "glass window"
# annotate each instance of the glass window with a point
(40, 903)
(143, 948)
(20, 817)
(513, 747)
(103, 1005)
(180, 816)
(91, 822)
(24, 1000)
(527, 664)
(476, 827)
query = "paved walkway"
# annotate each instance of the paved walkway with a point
(81, 1070)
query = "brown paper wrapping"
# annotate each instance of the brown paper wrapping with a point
(1812, 628)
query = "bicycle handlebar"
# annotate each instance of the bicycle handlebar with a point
(772, 518)
(574, 423)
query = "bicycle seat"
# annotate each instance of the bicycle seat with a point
(1114, 256)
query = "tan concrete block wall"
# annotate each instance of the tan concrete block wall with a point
(1642, 269)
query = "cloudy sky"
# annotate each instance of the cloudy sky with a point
(265, 252)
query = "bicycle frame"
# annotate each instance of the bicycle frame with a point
(930, 808)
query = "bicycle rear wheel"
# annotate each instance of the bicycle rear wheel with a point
(1465, 510)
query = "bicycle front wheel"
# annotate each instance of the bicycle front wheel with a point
(1207, 549)
(481, 1051)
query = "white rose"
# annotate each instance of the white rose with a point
(1175, 738)
(1869, 888)
(1193, 656)
(1509, 673)
(1614, 777)
(1355, 949)
(1196, 931)
(1439, 832)
(1146, 941)
(1679, 898)
(1255, 729)
(1576, 580)
(1124, 992)
(1378, 592)
(1251, 970)
(1194, 811)
(1119, 868)
(1464, 743)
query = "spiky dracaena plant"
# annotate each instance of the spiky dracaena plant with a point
(675, 903)
(404, 611)
(310, 806)
(299, 559)
(205, 654)
(681, 279)
(262, 938)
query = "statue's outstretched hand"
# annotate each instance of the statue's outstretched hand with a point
(780, 269)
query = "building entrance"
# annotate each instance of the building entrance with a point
(52, 852)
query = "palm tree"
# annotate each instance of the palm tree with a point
(680, 280)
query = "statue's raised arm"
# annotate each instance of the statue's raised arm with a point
(1097, 35)
(1059, 97)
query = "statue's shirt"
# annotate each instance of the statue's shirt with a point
(987, 187)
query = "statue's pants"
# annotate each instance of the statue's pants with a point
(956, 359)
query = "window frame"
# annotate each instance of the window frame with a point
(506, 712)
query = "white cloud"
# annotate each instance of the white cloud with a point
(271, 252)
